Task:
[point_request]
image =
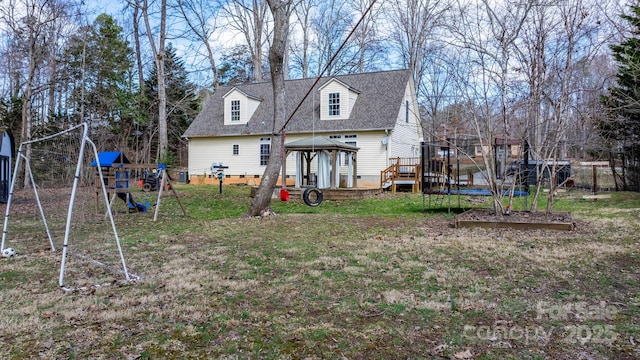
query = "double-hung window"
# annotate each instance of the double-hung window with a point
(235, 110)
(265, 150)
(334, 104)
(350, 140)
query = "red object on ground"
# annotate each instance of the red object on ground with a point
(284, 195)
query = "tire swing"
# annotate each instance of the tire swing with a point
(312, 196)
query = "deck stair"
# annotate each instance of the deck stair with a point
(401, 171)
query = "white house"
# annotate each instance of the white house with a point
(375, 112)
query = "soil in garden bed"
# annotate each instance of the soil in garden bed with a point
(516, 216)
(515, 220)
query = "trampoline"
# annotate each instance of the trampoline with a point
(437, 177)
(481, 192)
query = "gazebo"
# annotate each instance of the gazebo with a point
(328, 151)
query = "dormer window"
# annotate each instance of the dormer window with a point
(235, 110)
(239, 107)
(337, 101)
(334, 104)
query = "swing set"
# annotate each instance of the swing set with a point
(123, 180)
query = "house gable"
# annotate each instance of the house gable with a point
(407, 132)
(239, 107)
(336, 100)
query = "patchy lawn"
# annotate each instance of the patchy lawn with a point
(328, 284)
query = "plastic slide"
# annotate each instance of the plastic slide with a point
(132, 204)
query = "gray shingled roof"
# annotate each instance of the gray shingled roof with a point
(319, 143)
(377, 107)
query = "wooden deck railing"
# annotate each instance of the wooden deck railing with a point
(408, 170)
(401, 169)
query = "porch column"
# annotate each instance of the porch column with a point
(284, 169)
(299, 168)
(355, 169)
(308, 161)
(349, 169)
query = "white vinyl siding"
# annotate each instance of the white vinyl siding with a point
(204, 151)
(353, 96)
(372, 157)
(252, 105)
(405, 138)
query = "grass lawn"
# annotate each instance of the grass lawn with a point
(380, 278)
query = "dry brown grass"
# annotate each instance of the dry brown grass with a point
(332, 286)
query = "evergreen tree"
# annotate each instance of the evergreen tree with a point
(99, 64)
(622, 129)
(11, 113)
(182, 103)
(236, 66)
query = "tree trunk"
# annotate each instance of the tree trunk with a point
(26, 106)
(158, 53)
(26, 129)
(163, 137)
(260, 205)
(258, 24)
(136, 41)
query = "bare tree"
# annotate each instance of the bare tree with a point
(136, 40)
(249, 18)
(414, 26)
(330, 26)
(437, 91)
(559, 42)
(368, 44)
(324, 26)
(200, 18)
(281, 10)
(142, 156)
(488, 32)
(158, 51)
(301, 52)
(31, 22)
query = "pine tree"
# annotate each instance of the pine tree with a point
(622, 129)
(99, 63)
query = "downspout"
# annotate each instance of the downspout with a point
(386, 147)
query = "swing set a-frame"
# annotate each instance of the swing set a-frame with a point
(122, 179)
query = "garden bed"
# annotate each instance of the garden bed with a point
(516, 220)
